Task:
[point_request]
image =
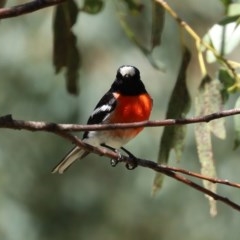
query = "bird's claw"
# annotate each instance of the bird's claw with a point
(114, 162)
(132, 164)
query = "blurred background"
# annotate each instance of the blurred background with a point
(93, 200)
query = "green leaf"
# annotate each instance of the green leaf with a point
(226, 2)
(72, 73)
(214, 103)
(236, 119)
(224, 37)
(208, 100)
(2, 3)
(173, 136)
(92, 6)
(205, 154)
(158, 14)
(133, 22)
(233, 9)
(227, 81)
(134, 6)
(65, 52)
(131, 35)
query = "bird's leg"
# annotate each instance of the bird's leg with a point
(113, 162)
(133, 160)
(128, 152)
(129, 165)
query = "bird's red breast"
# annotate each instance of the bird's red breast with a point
(131, 109)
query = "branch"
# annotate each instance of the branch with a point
(27, 8)
(8, 122)
(61, 130)
(200, 176)
(149, 164)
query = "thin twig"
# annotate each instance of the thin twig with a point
(198, 175)
(27, 8)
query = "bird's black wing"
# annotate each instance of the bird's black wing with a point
(102, 110)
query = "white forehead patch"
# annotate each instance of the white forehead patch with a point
(127, 70)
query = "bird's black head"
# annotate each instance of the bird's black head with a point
(128, 81)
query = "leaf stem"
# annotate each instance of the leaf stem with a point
(199, 40)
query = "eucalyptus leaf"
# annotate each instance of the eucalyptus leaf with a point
(224, 37)
(226, 3)
(92, 6)
(205, 154)
(134, 6)
(208, 100)
(234, 9)
(173, 136)
(65, 52)
(227, 81)
(158, 14)
(2, 3)
(236, 119)
(133, 21)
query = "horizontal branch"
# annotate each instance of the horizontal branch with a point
(27, 8)
(8, 122)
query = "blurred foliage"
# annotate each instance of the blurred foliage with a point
(173, 137)
(208, 100)
(93, 37)
(65, 52)
(2, 3)
(92, 6)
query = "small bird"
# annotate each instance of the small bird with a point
(126, 101)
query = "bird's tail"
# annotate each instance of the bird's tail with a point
(75, 154)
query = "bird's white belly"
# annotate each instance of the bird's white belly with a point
(96, 138)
